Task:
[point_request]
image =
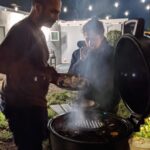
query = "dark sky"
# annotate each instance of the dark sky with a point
(78, 9)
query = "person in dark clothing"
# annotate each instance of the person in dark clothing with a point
(23, 58)
(97, 67)
(76, 56)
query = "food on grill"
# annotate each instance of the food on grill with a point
(71, 82)
(93, 128)
(114, 133)
(87, 103)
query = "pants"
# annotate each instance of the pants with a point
(29, 126)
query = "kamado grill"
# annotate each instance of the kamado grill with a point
(101, 130)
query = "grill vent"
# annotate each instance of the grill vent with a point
(88, 124)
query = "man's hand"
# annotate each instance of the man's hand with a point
(52, 75)
(72, 82)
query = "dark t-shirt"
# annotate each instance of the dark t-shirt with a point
(25, 55)
(75, 58)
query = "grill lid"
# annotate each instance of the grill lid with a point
(133, 74)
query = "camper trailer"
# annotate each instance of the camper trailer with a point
(61, 38)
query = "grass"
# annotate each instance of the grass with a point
(5, 134)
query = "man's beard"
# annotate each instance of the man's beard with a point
(48, 24)
(45, 22)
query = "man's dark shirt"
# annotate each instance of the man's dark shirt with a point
(75, 58)
(98, 69)
(24, 53)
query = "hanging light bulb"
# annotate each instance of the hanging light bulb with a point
(107, 17)
(147, 7)
(143, 1)
(16, 8)
(126, 13)
(65, 9)
(90, 8)
(116, 4)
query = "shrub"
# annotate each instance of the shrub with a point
(113, 37)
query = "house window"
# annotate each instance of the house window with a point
(54, 36)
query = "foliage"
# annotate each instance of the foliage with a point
(60, 98)
(144, 129)
(51, 113)
(113, 37)
(122, 110)
(5, 135)
(148, 29)
(3, 121)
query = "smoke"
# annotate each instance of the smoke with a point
(76, 117)
(98, 70)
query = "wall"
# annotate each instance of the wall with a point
(8, 19)
(71, 32)
(69, 37)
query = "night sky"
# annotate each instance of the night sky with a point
(78, 9)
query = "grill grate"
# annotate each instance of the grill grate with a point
(89, 124)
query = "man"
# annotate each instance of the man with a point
(76, 56)
(23, 58)
(97, 67)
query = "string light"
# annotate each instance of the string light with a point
(107, 17)
(90, 8)
(16, 8)
(65, 9)
(116, 4)
(126, 13)
(147, 7)
(143, 1)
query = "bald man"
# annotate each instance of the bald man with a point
(23, 58)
